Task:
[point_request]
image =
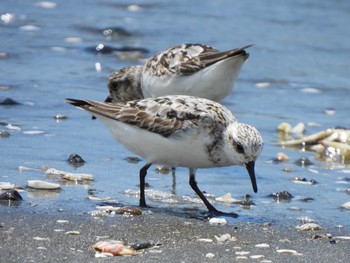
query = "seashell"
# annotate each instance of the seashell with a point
(42, 185)
(345, 205)
(224, 238)
(226, 198)
(7, 186)
(217, 221)
(210, 255)
(282, 157)
(284, 127)
(289, 251)
(308, 227)
(116, 248)
(298, 129)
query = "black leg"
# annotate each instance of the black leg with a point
(211, 208)
(194, 186)
(143, 173)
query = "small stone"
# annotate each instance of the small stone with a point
(224, 238)
(132, 159)
(289, 251)
(345, 205)
(217, 221)
(210, 255)
(308, 227)
(10, 195)
(282, 157)
(303, 162)
(205, 240)
(4, 134)
(9, 102)
(73, 233)
(262, 245)
(257, 256)
(141, 245)
(283, 196)
(42, 185)
(75, 160)
(59, 117)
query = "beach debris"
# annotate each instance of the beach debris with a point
(331, 144)
(141, 245)
(217, 221)
(262, 245)
(257, 256)
(62, 221)
(41, 238)
(345, 205)
(342, 238)
(70, 176)
(242, 253)
(297, 179)
(73, 233)
(60, 117)
(33, 132)
(114, 247)
(42, 185)
(210, 255)
(163, 169)
(8, 186)
(205, 240)
(289, 251)
(226, 198)
(283, 196)
(95, 198)
(303, 162)
(225, 237)
(9, 102)
(281, 157)
(309, 227)
(10, 195)
(4, 134)
(75, 160)
(133, 159)
(124, 210)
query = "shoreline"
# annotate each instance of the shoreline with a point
(42, 237)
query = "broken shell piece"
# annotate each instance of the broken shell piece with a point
(224, 238)
(217, 221)
(298, 129)
(282, 157)
(70, 176)
(116, 248)
(7, 186)
(289, 251)
(345, 205)
(308, 227)
(42, 185)
(284, 127)
(226, 198)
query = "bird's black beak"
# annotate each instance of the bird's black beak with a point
(250, 168)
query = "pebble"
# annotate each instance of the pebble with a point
(61, 221)
(33, 132)
(217, 221)
(4, 134)
(210, 255)
(205, 240)
(9, 102)
(46, 4)
(10, 195)
(42, 185)
(308, 227)
(257, 256)
(6, 186)
(283, 196)
(289, 251)
(75, 160)
(303, 162)
(141, 245)
(226, 198)
(73, 233)
(282, 157)
(262, 245)
(242, 253)
(345, 205)
(297, 179)
(224, 238)
(59, 117)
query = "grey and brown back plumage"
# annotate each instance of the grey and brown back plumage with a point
(187, 59)
(164, 115)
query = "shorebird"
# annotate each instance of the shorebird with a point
(189, 69)
(180, 131)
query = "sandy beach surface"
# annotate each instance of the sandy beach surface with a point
(29, 236)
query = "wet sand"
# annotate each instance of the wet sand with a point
(30, 236)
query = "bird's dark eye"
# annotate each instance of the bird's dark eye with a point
(239, 148)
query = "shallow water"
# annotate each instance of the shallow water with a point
(301, 52)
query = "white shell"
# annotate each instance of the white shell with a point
(42, 185)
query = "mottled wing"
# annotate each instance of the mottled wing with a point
(189, 58)
(164, 115)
